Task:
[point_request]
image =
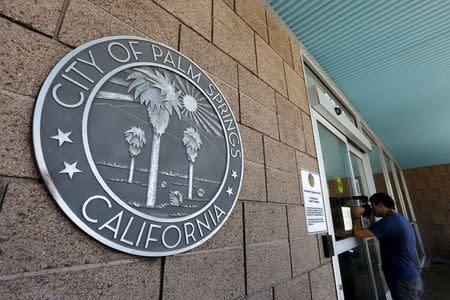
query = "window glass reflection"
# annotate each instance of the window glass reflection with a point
(395, 195)
(375, 164)
(408, 214)
(355, 274)
(359, 174)
(335, 159)
(375, 257)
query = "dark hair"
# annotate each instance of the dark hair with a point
(385, 199)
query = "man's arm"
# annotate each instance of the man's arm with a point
(358, 231)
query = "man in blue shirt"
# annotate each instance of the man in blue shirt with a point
(397, 247)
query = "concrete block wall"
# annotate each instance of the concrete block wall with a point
(262, 252)
(429, 190)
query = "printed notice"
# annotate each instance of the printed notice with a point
(313, 201)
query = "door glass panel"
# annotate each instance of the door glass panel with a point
(396, 197)
(355, 274)
(419, 250)
(362, 187)
(335, 159)
(377, 170)
(408, 214)
(375, 257)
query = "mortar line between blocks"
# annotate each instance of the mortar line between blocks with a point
(244, 247)
(3, 195)
(289, 241)
(212, 22)
(62, 15)
(256, 53)
(310, 286)
(267, 25)
(67, 269)
(265, 168)
(23, 25)
(239, 96)
(292, 53)
(277, 116)
(270, 287)
(161, 282)
(179, 38)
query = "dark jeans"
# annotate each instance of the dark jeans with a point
(406, 289)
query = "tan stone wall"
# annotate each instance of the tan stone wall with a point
(261, 252)
(380, 183)
(429, 190)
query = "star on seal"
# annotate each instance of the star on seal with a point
(70, 169)
(62, 137)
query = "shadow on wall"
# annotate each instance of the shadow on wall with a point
(429, 189)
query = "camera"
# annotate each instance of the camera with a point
(338, 110)
(356, 201)
(361, 201)
(342, 209)
(368, 212)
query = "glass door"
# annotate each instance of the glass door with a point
(338, 181)
(360, 169)
(365, 185)
(346, 173)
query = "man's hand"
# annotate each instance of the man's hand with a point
(358, 211)
(358, 231)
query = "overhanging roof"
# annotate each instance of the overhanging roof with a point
(392, 61)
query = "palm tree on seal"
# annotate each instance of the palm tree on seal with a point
(192, 142)
(135, 137)
(157, 91)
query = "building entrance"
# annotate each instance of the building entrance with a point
(345, 173)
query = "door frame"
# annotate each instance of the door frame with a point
(351, 242)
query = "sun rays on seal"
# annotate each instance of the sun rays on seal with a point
(196, 107)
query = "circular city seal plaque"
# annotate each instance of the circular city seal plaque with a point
(138, 146)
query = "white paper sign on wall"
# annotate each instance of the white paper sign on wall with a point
(313, 201)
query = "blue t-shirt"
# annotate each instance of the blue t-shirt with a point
(397, 247)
